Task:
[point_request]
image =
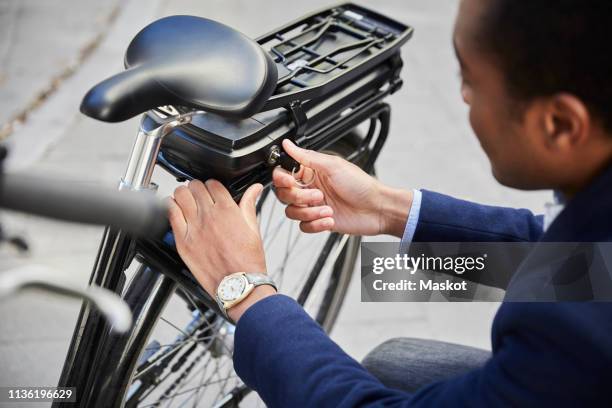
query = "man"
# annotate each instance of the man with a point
(536, 78)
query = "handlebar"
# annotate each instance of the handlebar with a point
(108, 303)
(138, 213)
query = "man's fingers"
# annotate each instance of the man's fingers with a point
(176, 218)
(247, 204)
(300, 196)
(320, 225)
(218, 192)
(200, 193)
(308, 213)
(185, 199)
(282, 178)
(308, 158)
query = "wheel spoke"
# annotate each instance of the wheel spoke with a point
(182, 393)
(163, 319)
(269, 221)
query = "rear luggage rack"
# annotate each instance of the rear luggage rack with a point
(318, 53)
(335, 68)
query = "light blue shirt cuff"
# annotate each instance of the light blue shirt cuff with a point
(413, 219)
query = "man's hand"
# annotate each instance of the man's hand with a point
(342, 198)
(216, 237)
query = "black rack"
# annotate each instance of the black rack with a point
(334, 65)
(321, 52)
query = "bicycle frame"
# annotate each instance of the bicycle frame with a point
(162, 268)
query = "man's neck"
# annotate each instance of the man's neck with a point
(570, 190)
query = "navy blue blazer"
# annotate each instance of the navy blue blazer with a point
(544, 354)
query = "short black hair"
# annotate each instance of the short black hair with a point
(548, 46)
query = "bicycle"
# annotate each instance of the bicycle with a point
(315, 81)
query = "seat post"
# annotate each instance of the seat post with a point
(142, 160)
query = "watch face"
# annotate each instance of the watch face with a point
(231, 288)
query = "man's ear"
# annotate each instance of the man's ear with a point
(567, 122)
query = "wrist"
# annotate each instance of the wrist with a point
(258, 293)
(394, 210)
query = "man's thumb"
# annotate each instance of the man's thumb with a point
(308, 158)
(247, 203)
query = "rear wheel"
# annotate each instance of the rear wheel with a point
(180, 352)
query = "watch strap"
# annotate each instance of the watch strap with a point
(258, 279)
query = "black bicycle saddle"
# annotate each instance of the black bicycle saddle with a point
(186, 61)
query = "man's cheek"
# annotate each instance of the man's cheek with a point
(482, 125)
(476, 124)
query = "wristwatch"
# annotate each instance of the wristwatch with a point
(236, 287)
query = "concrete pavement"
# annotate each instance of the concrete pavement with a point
(38, 48)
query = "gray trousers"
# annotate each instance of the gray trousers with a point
(409, 364)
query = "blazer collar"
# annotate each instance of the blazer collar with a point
(588, 216)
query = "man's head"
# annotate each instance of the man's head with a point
(537, 75)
